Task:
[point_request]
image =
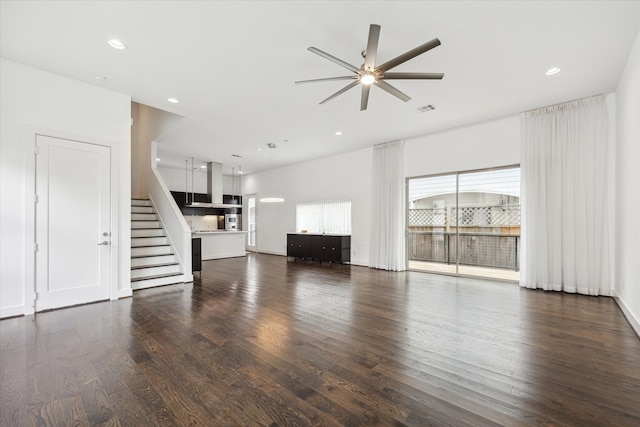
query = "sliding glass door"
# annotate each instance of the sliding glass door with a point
(431, 200)
(465, 223)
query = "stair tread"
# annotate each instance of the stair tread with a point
(151, 256)
(147, 237)
(155, 276)
(166, 264)
(149, 246)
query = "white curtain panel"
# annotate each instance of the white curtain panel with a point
(564, 198)
(337, 216)
(387, 247)
(324, 217)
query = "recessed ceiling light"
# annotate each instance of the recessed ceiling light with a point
(203, 166)
(157, 160)
(552, 71)
(117, 44)
(100, 77)
(173, 100)
(259, 149)
(338, 133)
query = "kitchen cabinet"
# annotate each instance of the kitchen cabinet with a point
(181, 200)
(222, 244)
(196, 254)
(320, 247)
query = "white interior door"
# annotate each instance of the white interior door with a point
(73, 222)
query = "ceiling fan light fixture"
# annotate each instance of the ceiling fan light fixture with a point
(367, 78)
(371, 74)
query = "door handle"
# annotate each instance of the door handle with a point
(104, 242)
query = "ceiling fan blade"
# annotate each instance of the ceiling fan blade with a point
(372, 47)
(364, 100)
(401, 76)
(329, 79)
(408, 55)
(334, 59)
(341, 91)
(392, 90)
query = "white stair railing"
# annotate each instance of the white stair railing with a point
(175, 225)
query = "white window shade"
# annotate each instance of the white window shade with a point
(324, 217)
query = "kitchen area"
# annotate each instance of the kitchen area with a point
(211, 206)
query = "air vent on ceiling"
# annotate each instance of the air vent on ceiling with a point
(271, 145)
(427, 108)
(236, 155)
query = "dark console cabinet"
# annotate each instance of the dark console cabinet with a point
(299, 245)
(320, 247)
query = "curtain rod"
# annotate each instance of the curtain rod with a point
(564, 105)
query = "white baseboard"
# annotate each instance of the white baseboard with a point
(633, 321)
(224, 255)
(16, 310)
(273, 253)
(124, 293)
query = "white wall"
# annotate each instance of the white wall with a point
(32, 100)
(179, 179)
(628, 195)
(343, 177)
(176, 179)
(148, 124)
(490, 144)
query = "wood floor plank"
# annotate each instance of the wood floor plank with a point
(268, 342)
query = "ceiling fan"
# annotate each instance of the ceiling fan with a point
(368, 74)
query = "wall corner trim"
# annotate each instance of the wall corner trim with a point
(633, 322)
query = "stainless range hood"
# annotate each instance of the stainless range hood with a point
(214, 189)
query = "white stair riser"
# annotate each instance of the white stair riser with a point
(142, 284)
(145, 224)
(154, 271)
(150, 249)
(153, 250)
(152, 260)
(143, 217)
(141, 209)
(148, 241)
(154, 232)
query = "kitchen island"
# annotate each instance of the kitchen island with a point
(218, 244)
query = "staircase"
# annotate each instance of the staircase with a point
(153, 262)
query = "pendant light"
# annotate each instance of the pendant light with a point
(271, 198)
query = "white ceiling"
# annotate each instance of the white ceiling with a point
(232, 65)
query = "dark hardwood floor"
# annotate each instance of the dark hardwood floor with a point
(265, 342)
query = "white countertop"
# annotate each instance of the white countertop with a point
(208, 232)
